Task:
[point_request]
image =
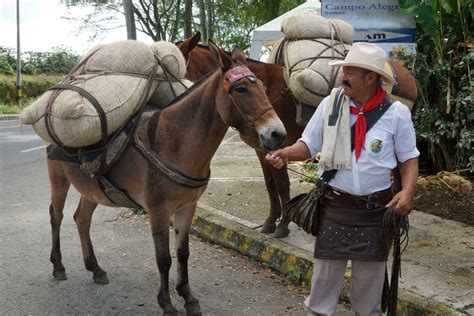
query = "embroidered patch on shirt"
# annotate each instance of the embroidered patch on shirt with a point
(376, 146)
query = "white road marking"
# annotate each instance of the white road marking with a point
(31, 149)
(4, 127)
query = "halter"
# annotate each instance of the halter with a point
(231, 78)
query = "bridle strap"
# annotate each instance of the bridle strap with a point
(231, 78)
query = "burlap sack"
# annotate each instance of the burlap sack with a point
(174, 84)
(306, 68)
(166, 92)
(171, 57)
(312, 25)
(75, 121)
(108, 75)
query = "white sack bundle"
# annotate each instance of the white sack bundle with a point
(74, 119)
(306, 68)
(312, 25)
(166, 92)
(171, 57)
(174, 84)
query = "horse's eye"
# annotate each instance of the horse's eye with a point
(241, 90)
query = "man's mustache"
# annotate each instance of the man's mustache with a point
(346, 84)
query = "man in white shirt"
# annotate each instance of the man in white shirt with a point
(350, 228)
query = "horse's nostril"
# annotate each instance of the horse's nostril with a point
(278, 136)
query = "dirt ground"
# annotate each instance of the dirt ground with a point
(446, 195)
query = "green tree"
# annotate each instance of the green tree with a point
(229, 22)
(444, 115)
(7, 61)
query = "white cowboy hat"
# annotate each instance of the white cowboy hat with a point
(367, 56)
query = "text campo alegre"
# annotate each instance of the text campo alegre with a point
(361, 7)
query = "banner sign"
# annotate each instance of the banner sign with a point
(381, 22)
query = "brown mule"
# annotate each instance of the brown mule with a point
(276, 180)
(199, 63)
(183, 136)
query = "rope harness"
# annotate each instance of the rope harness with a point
(231, 78)
(67, 84)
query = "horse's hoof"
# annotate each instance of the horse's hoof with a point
(60, 275)
(101, 278)
(281, 232)
(268, 228)
(170, 311)
(192, 308)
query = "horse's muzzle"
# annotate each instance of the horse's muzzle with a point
(272, 135)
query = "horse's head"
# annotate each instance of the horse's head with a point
(203, 61)
(189, 44)
(242, 102)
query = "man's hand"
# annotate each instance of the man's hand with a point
(277, 158)
(296, 152)
(401, 203)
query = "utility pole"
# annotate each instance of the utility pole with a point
(18, 55)
(129, 19)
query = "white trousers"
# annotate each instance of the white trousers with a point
(366, 286)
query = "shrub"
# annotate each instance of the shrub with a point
(443, 67)
(32, 87)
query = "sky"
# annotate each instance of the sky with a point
(42, 28)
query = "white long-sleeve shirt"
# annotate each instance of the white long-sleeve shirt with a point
(391, 138)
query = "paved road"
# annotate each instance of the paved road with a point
(224, 282)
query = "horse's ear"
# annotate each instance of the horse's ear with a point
(238, 55)
(189, 44)
(222, 60)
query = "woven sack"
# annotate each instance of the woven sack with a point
(171, 84)
(308, 25)
(75, 121)
(171, 58)
(166, 92)
(307, 72)
(108, 75)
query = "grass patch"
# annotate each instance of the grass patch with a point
(15, 109)
(9, 109)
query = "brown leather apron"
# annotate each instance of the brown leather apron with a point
(351, 227)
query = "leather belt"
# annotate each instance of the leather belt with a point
(374, 200)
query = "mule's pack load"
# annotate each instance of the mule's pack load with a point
(310, 42)
(108, 86)
(171, 82)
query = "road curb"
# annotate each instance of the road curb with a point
(292, 261)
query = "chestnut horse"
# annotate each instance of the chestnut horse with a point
(199, 63)
(182, 137)
(277, 181)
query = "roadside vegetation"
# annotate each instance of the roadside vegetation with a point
(40, 70)
(444, 70)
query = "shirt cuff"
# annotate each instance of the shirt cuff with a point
(402, 157)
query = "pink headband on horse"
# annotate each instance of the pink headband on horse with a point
(235, 74)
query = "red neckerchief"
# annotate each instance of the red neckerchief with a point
(361, 124)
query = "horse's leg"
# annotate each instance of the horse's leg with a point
(182, 226)
(161, 237)
(282, 183)
(59, 188)
(269, 225)
(83, 218)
